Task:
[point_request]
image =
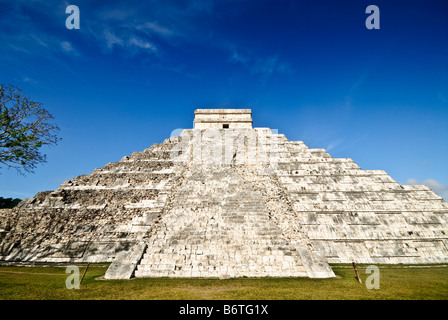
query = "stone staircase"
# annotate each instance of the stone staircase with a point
(218, 225)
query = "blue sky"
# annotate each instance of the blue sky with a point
(137, 70)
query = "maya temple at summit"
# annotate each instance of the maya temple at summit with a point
(228, 199)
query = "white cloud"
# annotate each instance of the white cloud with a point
(112, 39)
(142, 44)
(156, 28)
(145, 26)
(128, 41)
(68, 48)
(153, 27)
(437, 187)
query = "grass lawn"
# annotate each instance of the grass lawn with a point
(396, 282)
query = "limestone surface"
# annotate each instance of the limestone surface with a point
(228, 202)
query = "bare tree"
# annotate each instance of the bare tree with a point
(25, 126)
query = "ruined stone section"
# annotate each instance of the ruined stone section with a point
(235, 201)
(92, 218)
(223, 119)
(315, 263)
(125, 262)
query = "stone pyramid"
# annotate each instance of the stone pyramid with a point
(228, 200)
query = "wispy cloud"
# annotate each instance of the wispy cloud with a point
(68, 48)
(154, 27)
(339, 144)
(265, 67)
(28, 36)
(116, 14)
(353, 91)
(334, 144)
(135, 29)
(134, 41)
(146, 24)
(128, 42)
(111, 39)
(30, 81)
(437, 187)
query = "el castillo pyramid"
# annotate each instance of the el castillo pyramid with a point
(226, 199)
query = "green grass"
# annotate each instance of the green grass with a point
(396, 282)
